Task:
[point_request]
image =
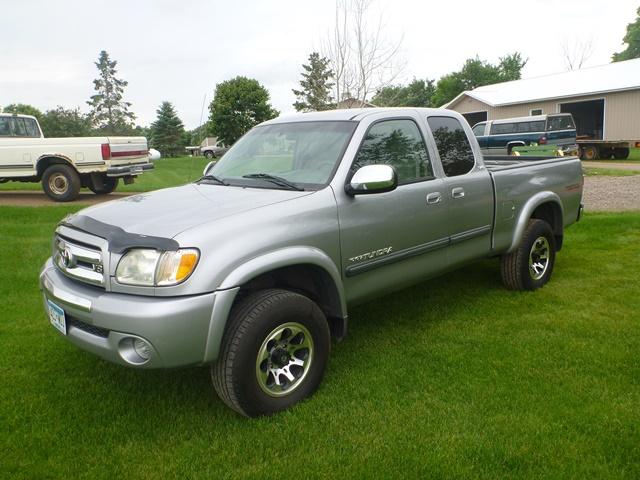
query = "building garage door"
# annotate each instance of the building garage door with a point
(589, 117)
(475, 117)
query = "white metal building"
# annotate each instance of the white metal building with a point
(604, 100)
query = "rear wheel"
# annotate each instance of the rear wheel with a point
(274, 352)
(589, 152)
(530, 266)
(621, 153)
(605, 153)
(61, 183)
(107, 185)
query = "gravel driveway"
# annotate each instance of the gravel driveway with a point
(611, 194)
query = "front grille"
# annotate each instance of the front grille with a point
(92, 329)
(79, 261)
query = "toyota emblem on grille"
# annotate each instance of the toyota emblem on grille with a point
(67, 258)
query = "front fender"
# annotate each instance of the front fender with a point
(285, 257)
(527, 211)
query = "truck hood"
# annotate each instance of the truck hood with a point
(165, 213)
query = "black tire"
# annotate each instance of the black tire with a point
(109, 184)
(209, 154)
(621, 153)
(251, 322)
(588, 152)
(517, 268)
(61, 183)
(605, 153)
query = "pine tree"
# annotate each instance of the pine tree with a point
(110, 113)
(167, 132)
(315, 94)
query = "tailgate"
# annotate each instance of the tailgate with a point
(128, 150)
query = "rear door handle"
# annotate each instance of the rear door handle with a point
(457, 192)
(434, 198)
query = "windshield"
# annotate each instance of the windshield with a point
(303, 153)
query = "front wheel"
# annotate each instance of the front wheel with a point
(530, 265)
(274, 352)
(209, 154)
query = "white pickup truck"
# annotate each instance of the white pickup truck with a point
(64, 165)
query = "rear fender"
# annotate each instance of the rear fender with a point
(526, 214)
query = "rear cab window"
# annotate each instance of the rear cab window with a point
(453, 145)
(561, 122)
(5, 127)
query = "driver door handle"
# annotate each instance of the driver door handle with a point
(457, 192)
(434, 198)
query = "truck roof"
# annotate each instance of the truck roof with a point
(19, 115)
(530, 118)
(354, 114)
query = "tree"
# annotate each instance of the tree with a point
(418, 93)
(361, 58)
(576, 52)
(110, 113)
(315, 93)
(476, 73)
(167, 132)
(632, 39)
(22, 109)
(62, 122)
(238, 105)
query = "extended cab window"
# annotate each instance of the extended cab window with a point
(24, 127)
(453, 145)
(478, 130)
(503, 128)
(397, 143)
(564, 122)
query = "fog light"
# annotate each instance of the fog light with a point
(135, 351)
(142, 348)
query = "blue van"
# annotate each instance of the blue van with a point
(498, 137)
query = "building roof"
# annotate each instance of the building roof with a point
(613, 77)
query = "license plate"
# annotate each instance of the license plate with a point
(56, 317)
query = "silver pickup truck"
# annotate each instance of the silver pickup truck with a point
(252, 269)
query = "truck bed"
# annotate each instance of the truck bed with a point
(505, 162)
(517, 179)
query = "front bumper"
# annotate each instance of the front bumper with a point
(129, 170)
(179, 329)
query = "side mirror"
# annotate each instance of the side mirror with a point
(372, 179)
(206, 169)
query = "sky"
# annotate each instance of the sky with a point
(179, 51)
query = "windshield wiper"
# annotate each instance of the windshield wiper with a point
(214, 178)
(283, 182)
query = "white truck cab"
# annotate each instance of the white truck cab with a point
(64, 165)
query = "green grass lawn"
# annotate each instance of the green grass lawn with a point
(453, 378)
(634, 154)
(168, 172)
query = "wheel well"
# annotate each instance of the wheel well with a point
(309, 280)
(550, 212)
(46, 162)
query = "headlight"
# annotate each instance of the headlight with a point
(148, 268)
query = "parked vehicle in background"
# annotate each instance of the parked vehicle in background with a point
(252, 268)
(498, 137)
(606, 149)
(64, 165)
(214, 151)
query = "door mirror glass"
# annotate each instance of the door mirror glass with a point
(373, 179)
